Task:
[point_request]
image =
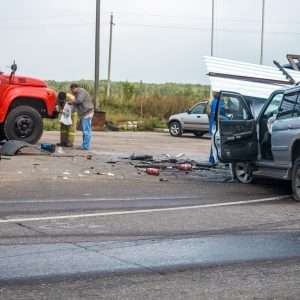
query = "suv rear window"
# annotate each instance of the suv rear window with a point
(290, 106)
(198, 109)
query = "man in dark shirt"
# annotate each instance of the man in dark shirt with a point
(85, 109)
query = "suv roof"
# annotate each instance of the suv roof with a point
(295, 88)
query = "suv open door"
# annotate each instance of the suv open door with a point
(235, 137)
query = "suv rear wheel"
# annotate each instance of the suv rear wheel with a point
(296, 179)
(175, 129)
(24, 123)
(198, 133)
(242, 171)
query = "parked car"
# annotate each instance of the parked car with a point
(194, 120)
(24, 102)
(268, 146)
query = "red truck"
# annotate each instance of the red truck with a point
(24, 102)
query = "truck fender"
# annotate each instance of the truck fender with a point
(13, 93)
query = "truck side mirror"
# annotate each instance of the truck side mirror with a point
(14, 68)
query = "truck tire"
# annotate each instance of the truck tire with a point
(296, 179)
(242, 172)
(175, 129)
(2, 134)
(24, 123)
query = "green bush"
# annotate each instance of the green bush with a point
(51, 124)
(151, 103)
(152, 123)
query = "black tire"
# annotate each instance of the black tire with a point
(198, 133)
(296, 179)
(175, 129)
(24, 123)
(2, 134)
(242, 172)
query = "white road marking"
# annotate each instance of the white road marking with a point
(140, 211)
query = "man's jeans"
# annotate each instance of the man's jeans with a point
(86, 125)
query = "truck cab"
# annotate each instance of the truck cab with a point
(24, 102)
(268, 146)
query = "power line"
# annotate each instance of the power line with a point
(147, 15)
(91, 24)
(49, 26)
(203, 29)
(44, 17)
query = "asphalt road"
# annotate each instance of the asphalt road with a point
(139, 238)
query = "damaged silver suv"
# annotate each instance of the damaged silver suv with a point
(268, 146)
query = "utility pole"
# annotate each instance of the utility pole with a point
(141, 96)
(212, 28)
(262, 33)
(109, 56)
(97, 55)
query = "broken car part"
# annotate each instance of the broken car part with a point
(12, 147)
(141, 157)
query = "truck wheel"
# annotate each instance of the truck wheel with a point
(296, 179)
(242, 172)
(24, 123)
(2, 134)
(175, 129)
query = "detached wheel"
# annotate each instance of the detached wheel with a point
(175, 129)
(296, 179)
(242, 172)
(198, 133)
(24, 123)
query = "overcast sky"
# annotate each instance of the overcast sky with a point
(154, 40)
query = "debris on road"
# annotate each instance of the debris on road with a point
(117, 166)
(163, 180)
(172, 158)
(185, 167)
(12, 147)
(48, 147)
(152, 171)
(112, 161)
(141, 157)
(155, 166)
(59, 151)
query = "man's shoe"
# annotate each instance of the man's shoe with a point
(69, 145)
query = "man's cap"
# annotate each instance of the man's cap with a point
(62, 96)
(74, 86)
